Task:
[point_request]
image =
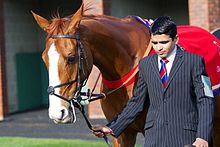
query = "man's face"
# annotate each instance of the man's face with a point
(163, 44)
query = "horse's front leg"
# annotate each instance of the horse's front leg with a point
(127, 139)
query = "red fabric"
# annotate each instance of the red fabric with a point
(118, 83)
(199, 41)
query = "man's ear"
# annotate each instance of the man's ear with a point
(176, 38)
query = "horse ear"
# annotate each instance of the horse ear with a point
(42, 22)
(75, 20)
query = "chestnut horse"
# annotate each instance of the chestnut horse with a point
(113, 45)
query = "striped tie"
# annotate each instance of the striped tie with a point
(163, 71)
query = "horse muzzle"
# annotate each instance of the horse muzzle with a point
(63, 116)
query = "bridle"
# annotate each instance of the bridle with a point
(81, 55)
(51, 89)
(75, 99)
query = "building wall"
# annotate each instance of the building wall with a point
(95, 5)
(152, 9)
(214, 14)
(205, 13)
(3, 88)
(20, 36)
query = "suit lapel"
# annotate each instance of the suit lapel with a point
(155, 69)
(176, 65)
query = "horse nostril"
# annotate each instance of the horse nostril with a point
(62, 113)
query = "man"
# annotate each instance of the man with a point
(177, 87)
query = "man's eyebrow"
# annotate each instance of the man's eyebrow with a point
(164, 41)
(155, 42)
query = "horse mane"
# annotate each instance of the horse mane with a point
(59, 25)
(109, 18)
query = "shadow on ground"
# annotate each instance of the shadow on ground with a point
(36, 124)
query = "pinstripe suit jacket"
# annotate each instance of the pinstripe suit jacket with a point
(178, 113)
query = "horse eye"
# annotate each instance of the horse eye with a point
(71, 59)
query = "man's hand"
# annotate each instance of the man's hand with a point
(200, 143)
(101, 130)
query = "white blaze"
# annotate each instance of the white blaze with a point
(54, 102)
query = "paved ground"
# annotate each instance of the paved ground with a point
(37, 124)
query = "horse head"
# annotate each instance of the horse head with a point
(68, 64)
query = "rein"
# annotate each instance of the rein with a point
(75, 100)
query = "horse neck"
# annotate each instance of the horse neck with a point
(109, 44)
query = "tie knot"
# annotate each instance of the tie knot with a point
(164, 60)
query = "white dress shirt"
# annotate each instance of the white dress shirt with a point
(170, 58)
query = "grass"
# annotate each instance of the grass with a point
(37, 142)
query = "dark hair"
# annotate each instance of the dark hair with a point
(164, 25)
